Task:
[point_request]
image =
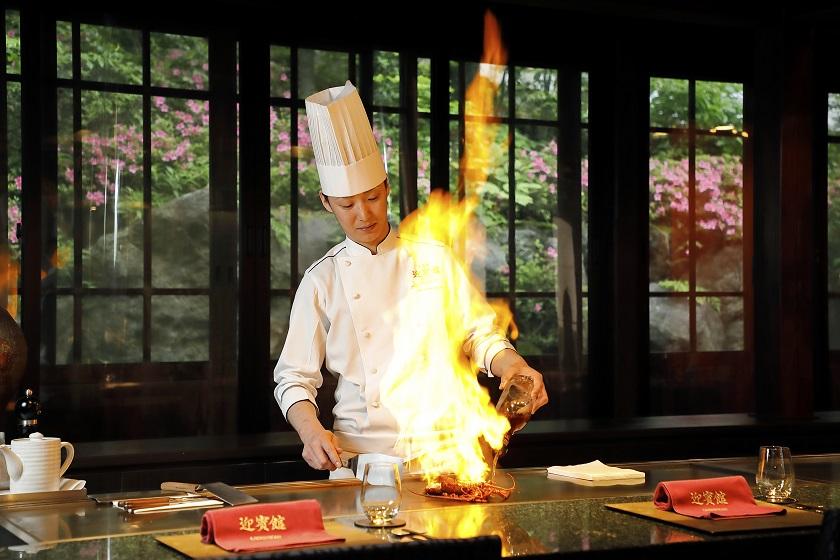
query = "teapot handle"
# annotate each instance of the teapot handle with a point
(69, 459)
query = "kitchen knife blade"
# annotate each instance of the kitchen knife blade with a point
(228, 494)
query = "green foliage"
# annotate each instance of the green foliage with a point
(674, 285)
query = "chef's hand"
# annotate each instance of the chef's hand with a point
(321, 450)
(507, 364)
(320, 446)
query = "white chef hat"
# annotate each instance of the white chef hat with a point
(346, 153)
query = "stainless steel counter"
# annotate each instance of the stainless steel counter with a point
(543, 514)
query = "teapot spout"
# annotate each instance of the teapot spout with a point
(13, 463)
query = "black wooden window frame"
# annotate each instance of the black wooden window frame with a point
(690, 135)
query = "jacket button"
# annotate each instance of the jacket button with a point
(347, 263)
(357, 296)
(374, 370)
(375, 404)
(367, 334)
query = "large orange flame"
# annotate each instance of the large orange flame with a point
(431, 387)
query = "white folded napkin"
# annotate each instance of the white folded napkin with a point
(596, 470)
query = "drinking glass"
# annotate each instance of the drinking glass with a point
(381, 493)
(774, 476)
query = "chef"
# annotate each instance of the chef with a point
(339, 315)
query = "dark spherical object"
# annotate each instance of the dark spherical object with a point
(12, 357)
(27, 407)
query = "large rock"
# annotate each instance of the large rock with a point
(669, 326)
(721, 270)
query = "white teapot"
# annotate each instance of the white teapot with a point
(34, 463)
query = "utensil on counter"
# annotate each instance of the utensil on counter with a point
(402, 532)
(154, 504)
(218, 490)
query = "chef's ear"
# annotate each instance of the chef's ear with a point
(326, 202)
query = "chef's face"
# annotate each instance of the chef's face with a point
(363, 217)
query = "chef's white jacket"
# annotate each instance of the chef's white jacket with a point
(339, 318)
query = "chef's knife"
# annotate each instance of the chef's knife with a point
(220, 490)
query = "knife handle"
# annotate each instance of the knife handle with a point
(181, 486)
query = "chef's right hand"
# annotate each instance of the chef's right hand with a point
(321, 450)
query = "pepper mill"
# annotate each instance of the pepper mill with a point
(27, 412)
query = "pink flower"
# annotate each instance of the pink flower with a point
(551, 252)
(95, 197)
(538, 307)
(160, 103)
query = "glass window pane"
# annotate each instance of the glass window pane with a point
(112, 329)
(540, 244)
(584, 205)
(111, 54)
(64, 49)
(319, 70)
(585, 321)
(281, 232)
(668, 102)
(12, 41)
(386, 130)
(834, 324)
(63, 260)
(280, 71)
(454, 156)
(63, 330)
(719, 211)
(179, 61)
(386, 78)
(112, 181)
(536, 93)
(318, 230)
(281, 306)
(180, 193)
(584, 97)
(13, 200)
(834, 217)
(668, 213)
(538, 328)
(180, 328)
(454, 87)
(720, 324)
(669, 324)
(495, 74)
(492, 211)
(424, 84)
(720, 106)
(424, 168)
(834, 113)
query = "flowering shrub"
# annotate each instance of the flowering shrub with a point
(718, 209)
(718, 195)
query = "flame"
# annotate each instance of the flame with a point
(445, 417)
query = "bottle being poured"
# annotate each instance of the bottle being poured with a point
(515, 404)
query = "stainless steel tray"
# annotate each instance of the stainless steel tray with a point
(30, 499)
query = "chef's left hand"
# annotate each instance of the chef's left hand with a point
(508, 364)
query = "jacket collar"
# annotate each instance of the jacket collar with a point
(390, 242)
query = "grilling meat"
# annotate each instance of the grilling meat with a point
(447, 486)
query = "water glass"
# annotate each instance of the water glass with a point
(774, 476)
(381, 492)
